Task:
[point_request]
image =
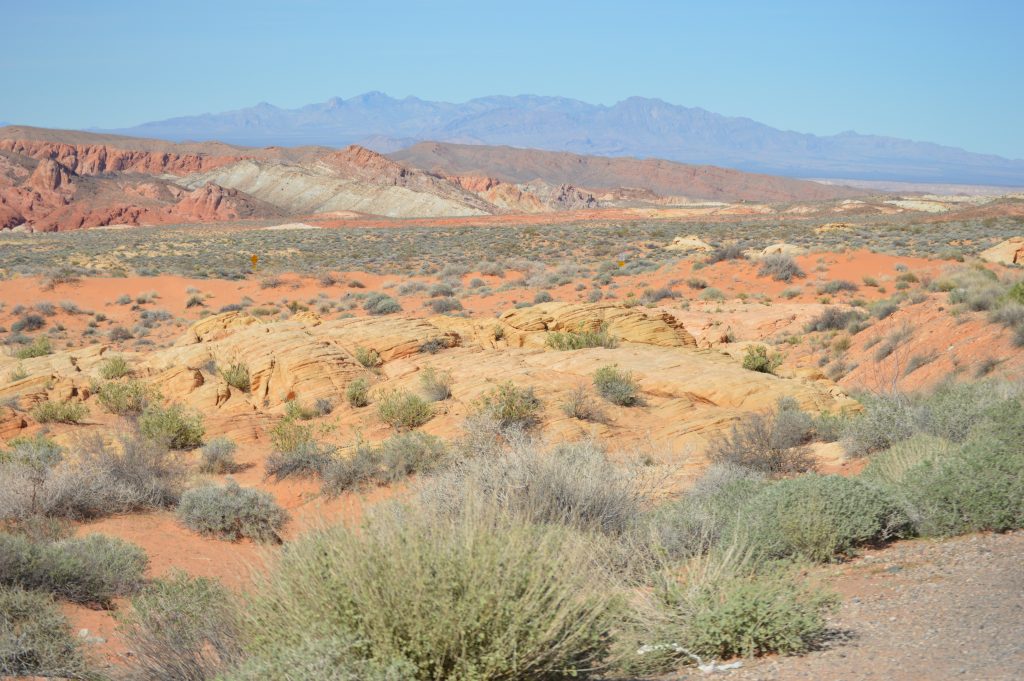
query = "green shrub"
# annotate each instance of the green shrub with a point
(237, 376)
(437, 385)
(37, 348)
(574, 484)
(758, 359)
(463, 600)
(172, 425)
(511, 406)
(400, 409)
(114, 367)
(181, 627)
(128, 398)
(59, 412)
(368, 357)
(218, 456)
(287, 435)
(819, 517)
(232, 512)
(780, 267)
(391, 461)
(747, 615)
(617, 386)
(35, 637)
(305, 459)
(579, 339)
(381, 304)
(707, 513)
(92, 569)
(358, 392)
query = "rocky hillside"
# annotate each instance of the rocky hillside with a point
(54, 180)
(663, 178)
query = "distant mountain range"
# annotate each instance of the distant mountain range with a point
(637, 127)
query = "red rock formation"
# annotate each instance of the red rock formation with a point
(96, 159)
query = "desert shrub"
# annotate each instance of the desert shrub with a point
(232, 512)
(977, 486)
(17, 373)
(92, 569)
(119, 333)
(726, 252)
(774, 444)
(194, 301)
(391, 461)
(576, 340)
(511, 406)
(949, 411)
(502, 600)
(579, 404)
(712, 294)
(400, 409)
(172, 425)
(705, 515)
(295, 410)
(658, 294)
(833, 287)
(883, 308)
(832, 318)
(818, 517)
(368, 357)
(443, 305)
(114, 367)
(126, 398)
(130, 473)
(542, 297)
(37, 348)
(303, 459)
(617, 386)
(358, 392)
(181, 629)
(35, 637)
(574, 484)
(381, 304)
(218, 456)
(237, 376)
(758, 359)
(68, 411)
(30, 322)
(436, 385)
(718, 612)
(780, 267)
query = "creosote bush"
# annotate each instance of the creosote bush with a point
(579, 404)
(218, 456)
(114, 367)
(774, 444)
(577, 340)
(232, 512)
(780, 267)
(237, 376)
(436, 385)
(69, 411)
(511, 406)
(173, 425)
(403, 410)
(357, 392)
(617, 386)
(368, 357)
(181, 627)
(390, 461)
(126, 398)
(35, 637)
(92, 569)
(758, 359)
(503, 599)
(37, 348)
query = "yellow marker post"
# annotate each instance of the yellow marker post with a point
(255, 260)
(622, 263)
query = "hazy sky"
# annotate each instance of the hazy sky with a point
(946, 72)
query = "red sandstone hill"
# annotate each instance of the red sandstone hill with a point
(664, 178)
(54, 180)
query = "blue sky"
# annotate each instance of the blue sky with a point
(946, 72)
